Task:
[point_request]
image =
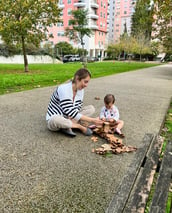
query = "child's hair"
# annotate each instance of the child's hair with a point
(109, 98)
(81, 74)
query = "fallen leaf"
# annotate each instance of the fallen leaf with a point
(107, 147)
(94, 139)
(97, 98)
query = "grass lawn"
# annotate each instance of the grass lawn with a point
(14, 79)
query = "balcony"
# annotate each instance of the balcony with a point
(93, 27)
(61, 6)
(94, 4)
(93, 16)
(80, 3)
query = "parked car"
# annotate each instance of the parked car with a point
(96, 59)
(75, 58)
(90, 59)
(66, 58)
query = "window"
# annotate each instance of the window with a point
(125, 12)
(69, 22)
(59, 24)
(69, 11)
(60, 33)
(69, 1)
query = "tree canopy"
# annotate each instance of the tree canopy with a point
(163, 23)
(142, 18)
(27, 21)
(78, 26)
(64, 48)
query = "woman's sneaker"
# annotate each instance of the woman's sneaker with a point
(68, 132)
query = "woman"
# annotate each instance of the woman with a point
(64, 110)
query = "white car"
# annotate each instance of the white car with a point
(75, 58)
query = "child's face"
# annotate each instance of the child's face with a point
(109, 106)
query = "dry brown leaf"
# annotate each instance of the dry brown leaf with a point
(94, 139)
(97, 98)
(107, 147)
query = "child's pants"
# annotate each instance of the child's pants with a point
(57, 122)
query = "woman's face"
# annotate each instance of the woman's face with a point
(81, 84)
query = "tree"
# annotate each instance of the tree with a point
(27, 21)
(142, 45)
(114, 50)
(142, 18)
(63, 48)
(131, 45)
(78, 27)
(163, 24)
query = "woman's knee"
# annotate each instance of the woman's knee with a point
(92, 109)
(88, 110)
(57, 122)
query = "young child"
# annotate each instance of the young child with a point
(110, 113)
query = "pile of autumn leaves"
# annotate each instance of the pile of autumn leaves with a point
(115, 145)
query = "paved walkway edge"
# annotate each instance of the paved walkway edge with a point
(120, 198)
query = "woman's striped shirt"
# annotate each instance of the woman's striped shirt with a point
(61, 102)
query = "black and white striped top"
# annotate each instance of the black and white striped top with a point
(61, 102)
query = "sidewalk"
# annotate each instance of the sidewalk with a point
(43, 171)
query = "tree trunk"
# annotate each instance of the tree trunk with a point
(25, 56)
(140, 55)
(84, 63)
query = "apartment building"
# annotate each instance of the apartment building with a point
(120, 15)
(106, 18)
(97, 22)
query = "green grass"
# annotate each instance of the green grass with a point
(14, 79)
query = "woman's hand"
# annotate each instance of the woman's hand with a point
(103, 119)
(97, 121)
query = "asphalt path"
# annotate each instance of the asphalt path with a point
(43, 171)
